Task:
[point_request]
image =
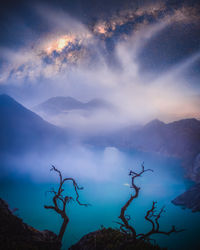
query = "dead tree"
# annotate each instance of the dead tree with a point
(60, 201)
(151, 215)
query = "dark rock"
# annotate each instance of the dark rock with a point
(196, 168)
(107, 239)
(17, 235)
(190, 199)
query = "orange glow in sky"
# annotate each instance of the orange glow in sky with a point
(100, 28)
(60, 43)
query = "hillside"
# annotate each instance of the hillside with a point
(22, 130)
(179, 139)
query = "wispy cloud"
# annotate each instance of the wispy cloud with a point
(74, 59)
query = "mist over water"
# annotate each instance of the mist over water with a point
(103, 173)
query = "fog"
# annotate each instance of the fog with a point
(74, 59)
(51, 66)
(103, 166)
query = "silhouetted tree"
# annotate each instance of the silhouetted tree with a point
(151, 215)
(60, 201)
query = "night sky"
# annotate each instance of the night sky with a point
(104, 49)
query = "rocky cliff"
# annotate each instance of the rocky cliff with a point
(17, 235)
(190, 199)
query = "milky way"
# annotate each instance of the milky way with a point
(144, 55)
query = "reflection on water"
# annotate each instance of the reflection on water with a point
(106, 196)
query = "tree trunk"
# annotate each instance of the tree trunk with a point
(63, 227)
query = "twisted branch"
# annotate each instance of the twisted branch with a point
(124, 217)
(153, 218)
(151, 215)
(58, 196)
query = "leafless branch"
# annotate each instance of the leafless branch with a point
(60, 201)
(151, 215)
(124, 217)
(153, 218)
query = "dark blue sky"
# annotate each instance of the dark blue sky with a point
(13, 12)
(158, 36)
(172, 45)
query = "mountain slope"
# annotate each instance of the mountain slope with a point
(178, 139)
(21, 129)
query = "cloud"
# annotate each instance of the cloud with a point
(70, 43)
(74, 60)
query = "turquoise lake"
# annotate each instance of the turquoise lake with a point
(106, 194)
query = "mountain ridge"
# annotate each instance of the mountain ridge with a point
(180, 139)
(64, 104)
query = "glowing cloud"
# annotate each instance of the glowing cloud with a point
(59, 44)
(82, 67)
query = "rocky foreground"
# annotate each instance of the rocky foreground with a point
(106, 239)
(17, 235)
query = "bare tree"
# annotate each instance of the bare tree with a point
(151, 215)
(60, 201)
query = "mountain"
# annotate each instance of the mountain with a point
(22, 130)
(178, 139)
(61, 104)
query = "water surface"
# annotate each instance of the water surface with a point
(107, 196)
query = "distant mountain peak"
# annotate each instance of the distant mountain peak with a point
(155, 123)
(60, 104)
(62, 98)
